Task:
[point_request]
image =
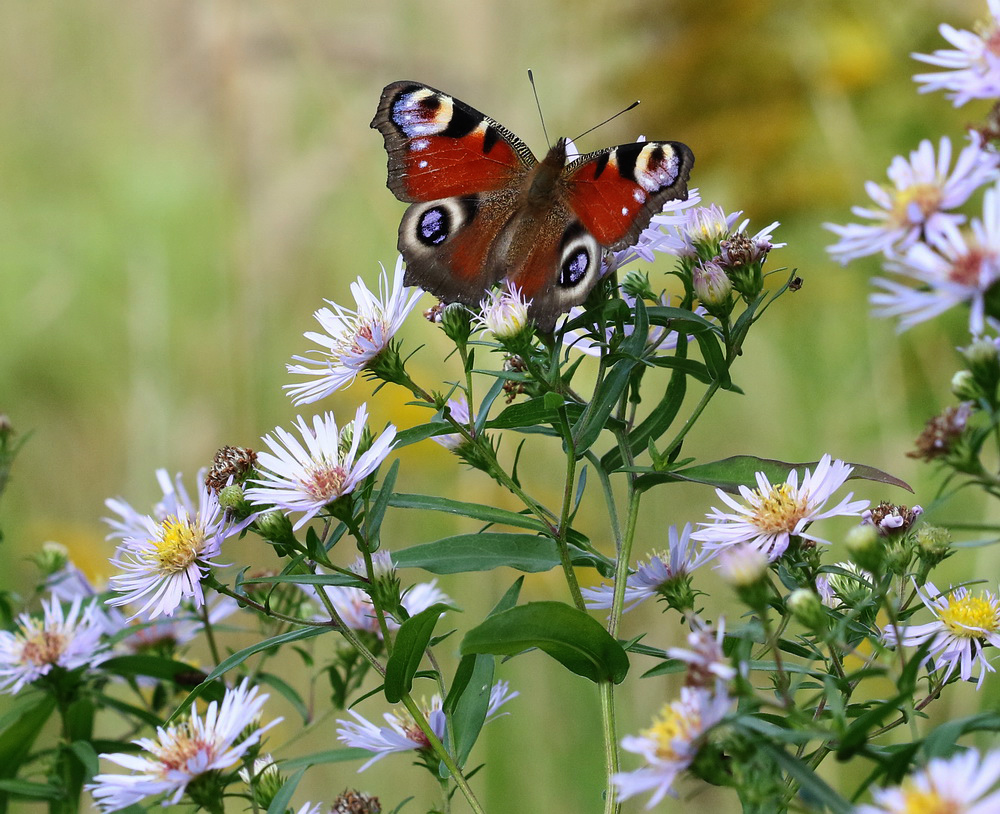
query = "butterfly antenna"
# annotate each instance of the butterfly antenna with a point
(538, 104)
(610, 118)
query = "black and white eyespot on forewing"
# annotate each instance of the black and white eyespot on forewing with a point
(422, 112)
(579, 258)
(656, 166)
(429, 225)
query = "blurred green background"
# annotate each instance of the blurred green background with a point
(181, 184)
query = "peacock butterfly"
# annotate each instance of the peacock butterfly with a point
(484, 208)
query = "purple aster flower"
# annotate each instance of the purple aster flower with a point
(924, 189)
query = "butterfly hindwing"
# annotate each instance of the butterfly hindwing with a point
(440, 147)
(615, 192)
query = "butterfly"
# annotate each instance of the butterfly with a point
(483, 208)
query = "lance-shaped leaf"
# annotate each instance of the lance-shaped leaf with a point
(570, 636)
(411, 641)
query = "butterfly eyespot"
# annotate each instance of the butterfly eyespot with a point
(580, 257)
(434, 226)
(422, 113)
(655, 168)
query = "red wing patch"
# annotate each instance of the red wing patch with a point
(616, 192)
(440, 147)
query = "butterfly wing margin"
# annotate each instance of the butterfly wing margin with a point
(615, 192)
(440, 147)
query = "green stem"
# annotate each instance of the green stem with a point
(563, 532)
(210, 634)
(442, 753)
(621, 565)
(611, 765)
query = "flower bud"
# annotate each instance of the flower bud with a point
(232, 500)
(505, 315)
(984, 363)
(965, 386)
(230, 463)
(276, 528)
(713, 288)
(934, 544)
(456, 322)
(865, 548)
(745, 568)
(636, 285)
(356, 802)
(807, 608)
(53, 557)
(265, 781)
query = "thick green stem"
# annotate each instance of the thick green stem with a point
(611, 766)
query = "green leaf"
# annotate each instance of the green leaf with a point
(242, 655)
(488, 514)
(287, 691)
(176, 672)
(568, 635)
(421, 432)
(280, 801)
(307, 579)
(533, 412)
(35, 791)
(941, 742)
(470, 710)
(729, 474)
(481, 552)
(329, 756)
(808, 781)
(18, 730)
(408, 651)
(715, 359)
(87, 755)
(595, 417)
(657, 422)
(376, 512)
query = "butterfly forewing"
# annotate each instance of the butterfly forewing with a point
(440, 147)
(615, 192)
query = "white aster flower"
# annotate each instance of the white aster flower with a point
(663, 569)
(402, 734)
(459, 410)
(973, 65)
(167, 560)
(69, 641)
(959, 784)
(671, 743)
(504, 312)
(742, 565)
(945, 271)
(707, 664)
(963, 626)
(772, 514)
(352, 340)
(924, 189)
(657, 236)
(184, 751)
(131, 523)
(306, 478)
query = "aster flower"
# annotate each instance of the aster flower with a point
(165, 561)
(963, 625)
(184, 751)
(664, 570)
(132, 523)
(704, 229)
(297, 478)
(355, 607)
(973, 65)
(402, 734)
(946, 271)
(918, 203)
(67, 640)
(657, 236)
(773, 514)
(671, 744)
(504, 312)
(742, 565)
(942, 433)
(352, 341)
(459, 410)
(959, 784)
(175, 631)
(707, 664)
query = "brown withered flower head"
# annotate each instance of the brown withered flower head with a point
(234, 462)
(941, 432)
(889, 518)
(355, 802)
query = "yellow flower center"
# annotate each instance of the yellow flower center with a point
(178, 546)
(43, 647)
(970, 615)
(180, 746)
(779, 510)
(927, 197)
(673, 722)
(324, 482)
(928, 802)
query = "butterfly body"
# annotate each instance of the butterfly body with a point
(483, 208)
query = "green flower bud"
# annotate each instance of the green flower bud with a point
(965, 386)
(807, 608)
(934, 544)
(865, 548)
(456, 322)
(636, 285)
